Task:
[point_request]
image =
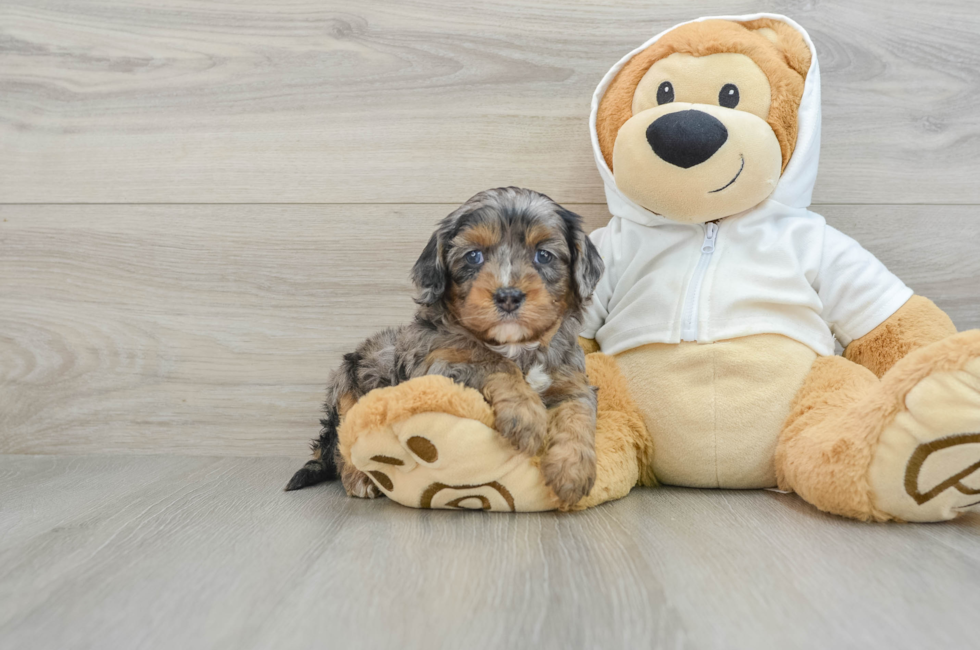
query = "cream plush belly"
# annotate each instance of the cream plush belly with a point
(715, 410)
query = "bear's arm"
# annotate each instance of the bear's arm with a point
(917, 323)
(858, 293)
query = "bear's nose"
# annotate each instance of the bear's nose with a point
(686, 138)
(508, 300)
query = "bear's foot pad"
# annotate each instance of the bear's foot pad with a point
(927, 463)
(444, 460)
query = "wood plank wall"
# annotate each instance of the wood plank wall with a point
(203, 204)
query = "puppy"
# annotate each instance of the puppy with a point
(501, 288)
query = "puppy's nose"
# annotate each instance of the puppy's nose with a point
(686, 138)
(509, 299)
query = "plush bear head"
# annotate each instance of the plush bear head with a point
(701, 124)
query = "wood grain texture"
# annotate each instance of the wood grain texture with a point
(133, 330)
(212, 329)
(162, 552)
(401, 101)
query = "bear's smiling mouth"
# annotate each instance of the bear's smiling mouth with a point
(734, 179)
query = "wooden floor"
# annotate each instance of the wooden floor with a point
(204, 203)
(181, 552)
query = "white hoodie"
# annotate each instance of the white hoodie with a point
(776, 268)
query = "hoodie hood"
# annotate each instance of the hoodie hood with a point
(795, 186)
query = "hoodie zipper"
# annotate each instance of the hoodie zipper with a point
(689, 321)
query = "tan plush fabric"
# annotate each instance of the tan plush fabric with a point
(774, 46)
(927, 463)
(429, 443)
(450, 462)
(816, 457)
(624, 449)
(589, 345)
(753, 156)
(917, 323)
(698, 79)
(714, 411)
(906, 447)
(427, 394)
(845, 421)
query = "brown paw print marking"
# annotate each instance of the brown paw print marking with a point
(423, 448)
(382, 480)
(388, 460)
(457, 503)
(918, 459)
(435, 488)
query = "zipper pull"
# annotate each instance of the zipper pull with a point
(710, 236)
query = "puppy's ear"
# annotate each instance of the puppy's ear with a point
(587, 266)
(429, 272)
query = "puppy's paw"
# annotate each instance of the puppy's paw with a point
(358, 484)
(524, 423)
(569, 470)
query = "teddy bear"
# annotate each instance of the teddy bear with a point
(711, 336)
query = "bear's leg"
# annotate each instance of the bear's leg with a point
(427, 443)
(623, 448)
(815, 457)
(906, 447)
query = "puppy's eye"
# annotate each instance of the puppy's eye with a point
(474, 258)
(665, 93)
(728, 97)
(543, 257)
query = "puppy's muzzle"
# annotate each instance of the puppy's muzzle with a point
(686, 138)
(508, 300)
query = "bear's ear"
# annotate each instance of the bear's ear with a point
(787, 40)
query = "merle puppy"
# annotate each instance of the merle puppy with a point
(501, 288)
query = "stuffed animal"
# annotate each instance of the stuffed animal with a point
(717, 316)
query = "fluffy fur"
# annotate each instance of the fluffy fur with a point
(917, 323)
(827, 446)
(623, 446)
(468, 328)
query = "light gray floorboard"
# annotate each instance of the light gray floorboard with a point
(176, 552)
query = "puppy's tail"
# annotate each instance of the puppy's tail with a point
(323, 467)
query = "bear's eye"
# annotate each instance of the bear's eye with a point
(665, 93)
(728, 97)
